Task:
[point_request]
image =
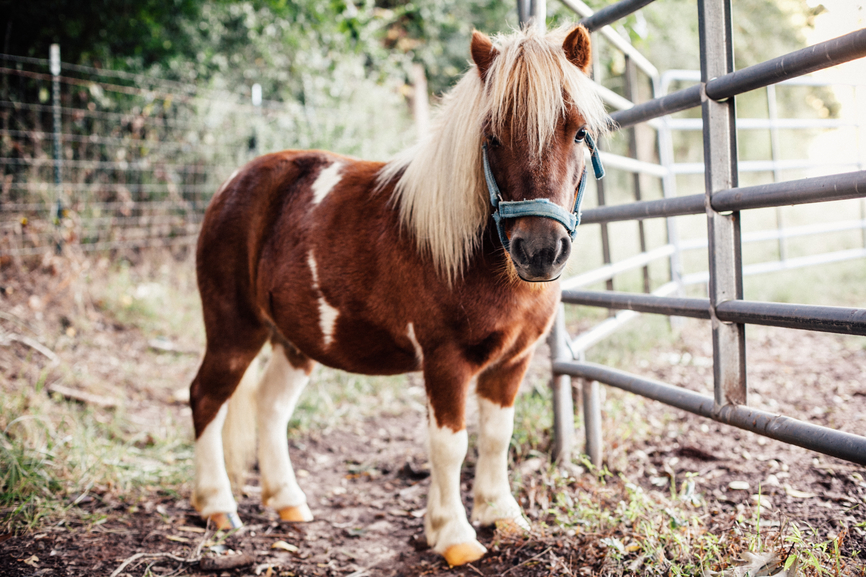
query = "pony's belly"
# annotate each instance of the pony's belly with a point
(358, 347)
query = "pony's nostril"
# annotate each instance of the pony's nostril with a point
(563, 251)
(518, 249)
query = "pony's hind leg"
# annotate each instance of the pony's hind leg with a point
(497, 389)
(285, 377)
(217, 379)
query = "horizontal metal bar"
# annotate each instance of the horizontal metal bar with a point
(612, 324)
(766, 166)
(823, 55)
(818, 189)
(766, 123)
(695, 76)
(787, 232)
(640, 302)
(612, 13)
(676, 206)
(582, 9)
(674, 102)
(828, 441)
(608, 271)
(787, 264)
(805, 230)
(614, 99)
(817, 57)
(629, 164)
(844, 320)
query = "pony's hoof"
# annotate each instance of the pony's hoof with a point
(225, 521)
(464, 553)
(299, 514)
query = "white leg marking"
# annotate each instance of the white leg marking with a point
(445, 523)
(327, 314)
(419, 354)
(328, 178)
(493, 500)
(276, 398)
(212, 493)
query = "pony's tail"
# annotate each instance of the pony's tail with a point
(239, 430)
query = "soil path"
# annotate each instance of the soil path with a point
(367, 481)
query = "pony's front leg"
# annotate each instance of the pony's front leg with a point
(497, 389)
(448, 531)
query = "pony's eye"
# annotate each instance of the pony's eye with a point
(494, 142)
(580, 136)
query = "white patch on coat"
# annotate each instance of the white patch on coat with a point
(212, 492)
(225, 185)
(327, 314)
(276, 398)
(327, 319)
(493, 499)
(445, 522)
(328, 178)
(419, 353)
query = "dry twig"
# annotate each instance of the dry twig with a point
(138, 556)
(7, 338)
(528, 560)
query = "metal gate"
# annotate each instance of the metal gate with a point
(722, 203)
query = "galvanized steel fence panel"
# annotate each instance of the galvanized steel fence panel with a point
(722, 202)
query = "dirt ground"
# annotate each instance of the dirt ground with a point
(366, 481)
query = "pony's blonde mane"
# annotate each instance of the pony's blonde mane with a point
(440, 191)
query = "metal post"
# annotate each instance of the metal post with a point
(539, 15)
(54, 65)
(524, 12)
(605, 239)
(563, 404)
(631, 91)
(859, 122)
(720, 161)
(773, 115)
(591, 418)
(669, 189)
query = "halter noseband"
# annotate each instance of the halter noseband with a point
(504, 209)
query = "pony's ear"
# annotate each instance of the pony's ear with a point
(577, 48)
(483, 52)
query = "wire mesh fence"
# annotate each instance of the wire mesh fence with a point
(138, 157)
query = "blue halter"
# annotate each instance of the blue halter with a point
(504, 209)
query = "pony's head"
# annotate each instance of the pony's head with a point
(509, 141)
(541, 114)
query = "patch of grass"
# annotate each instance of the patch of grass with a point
(53, 453)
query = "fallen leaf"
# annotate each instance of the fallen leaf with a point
(798, 494)
(33, 561)
(285, 546)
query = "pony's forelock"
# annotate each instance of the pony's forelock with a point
(440, 189)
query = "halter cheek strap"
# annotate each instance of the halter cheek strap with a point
(505, 209)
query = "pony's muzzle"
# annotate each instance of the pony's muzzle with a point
(540, 255)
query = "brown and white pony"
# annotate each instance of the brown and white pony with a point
(388, 268)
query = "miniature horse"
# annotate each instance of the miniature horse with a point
(437, 261)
